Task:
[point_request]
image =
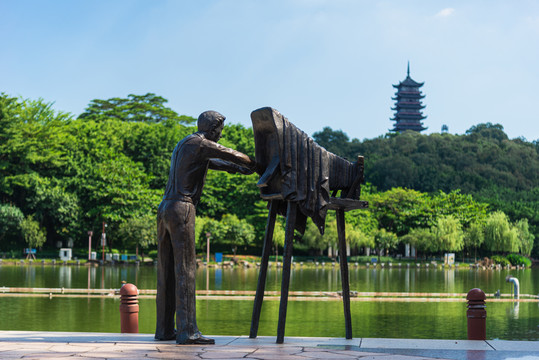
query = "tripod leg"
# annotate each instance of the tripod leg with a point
(259, 297)
(344, 273)
(287, 262)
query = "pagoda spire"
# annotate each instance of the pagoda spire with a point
(408, 105)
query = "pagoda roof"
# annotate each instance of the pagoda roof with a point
(409, 93)
(411, 117)
(408, 105)
(416, 95)
(409, 81)
(409, 126)
(408, 112)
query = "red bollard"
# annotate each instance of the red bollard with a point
(477, 315)
(129, 308)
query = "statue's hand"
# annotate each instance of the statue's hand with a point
(245, 170)
(255, 167)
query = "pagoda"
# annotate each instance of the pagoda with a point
(408, 107)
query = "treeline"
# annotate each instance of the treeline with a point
(483, 162)
(62, 176)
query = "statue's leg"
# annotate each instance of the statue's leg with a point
(287, 262)
(268, 237)
(344, 273)
(166, 294)
(183, 242)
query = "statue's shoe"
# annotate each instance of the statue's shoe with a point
(197, 339)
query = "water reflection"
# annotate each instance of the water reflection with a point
(507, 320)
(513, 311)
(302, 279)
(218, 278)
(449, 277)
(65, 276)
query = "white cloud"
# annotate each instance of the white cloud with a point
(533, 23)
(446, 12)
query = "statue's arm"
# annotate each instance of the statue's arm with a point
(214, 151)
(223, 165)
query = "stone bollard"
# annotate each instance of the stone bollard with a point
(477, 315)
(129, 308)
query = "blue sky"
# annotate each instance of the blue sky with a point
(319, 62)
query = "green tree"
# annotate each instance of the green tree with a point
(448, 234)
(422, 239)
(10, 225)
(356, 237)
(335, 141)
(499, 235)
(399, 210)
(33, 234)
(238, 232)
(461, 206)
(474, 236)
(139, 231)
(144, 108)
(484, 163)
(525, 237)
(314, 240)
(230, 230)
(385, 240)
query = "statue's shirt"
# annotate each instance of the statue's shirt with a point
(189, 164)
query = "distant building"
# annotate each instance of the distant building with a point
(408, 105)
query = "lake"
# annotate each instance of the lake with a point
(387, 319)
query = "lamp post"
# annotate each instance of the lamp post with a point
(103, 241)
(208, 235)
(90, 233)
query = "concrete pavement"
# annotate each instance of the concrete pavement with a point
(59, 345)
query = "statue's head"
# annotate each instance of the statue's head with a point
(211, 123)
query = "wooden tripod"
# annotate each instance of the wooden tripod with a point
(340, 205)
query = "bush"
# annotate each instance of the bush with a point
(516, 259)
(500, 260)
(152, 254)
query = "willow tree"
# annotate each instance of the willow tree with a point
(448, 234)
(34, 235)
(500, 236)
(474, 236)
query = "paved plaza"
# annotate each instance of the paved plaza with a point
(60, 345)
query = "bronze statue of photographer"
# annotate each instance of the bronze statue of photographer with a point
(191, 159)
